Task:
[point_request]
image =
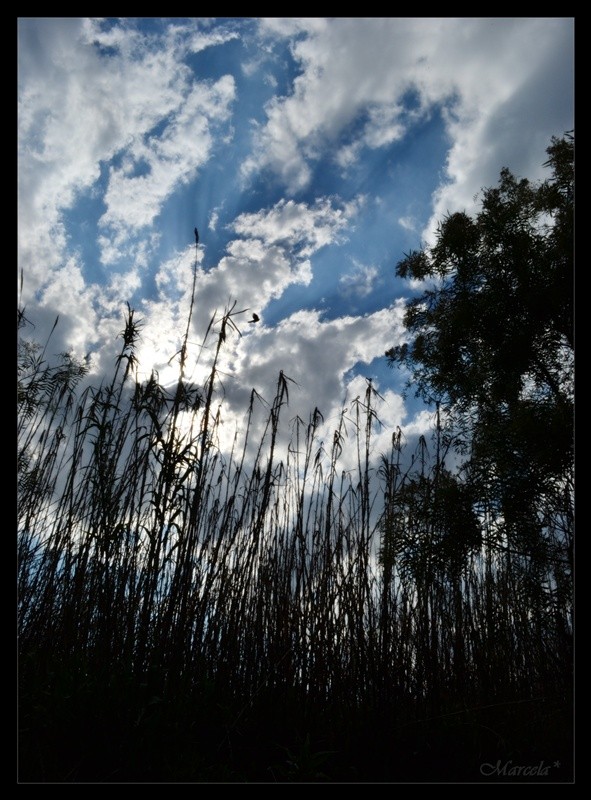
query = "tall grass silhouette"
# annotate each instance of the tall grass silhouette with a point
(191, 611)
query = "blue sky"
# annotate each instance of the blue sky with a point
(310, 153)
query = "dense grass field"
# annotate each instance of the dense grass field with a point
(193, 612)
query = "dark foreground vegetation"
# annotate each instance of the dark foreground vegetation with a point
(194, 612)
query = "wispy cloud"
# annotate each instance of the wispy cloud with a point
(408, 223)
(360, 282)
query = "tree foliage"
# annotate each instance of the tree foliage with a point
(491, 337)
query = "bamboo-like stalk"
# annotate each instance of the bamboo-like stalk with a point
(146, 550)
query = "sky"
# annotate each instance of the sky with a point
(310, 153)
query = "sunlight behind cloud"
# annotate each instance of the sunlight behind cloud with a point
(311, 153)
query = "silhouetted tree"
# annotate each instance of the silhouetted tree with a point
(491, 339)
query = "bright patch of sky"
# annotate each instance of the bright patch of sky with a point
(312, 154)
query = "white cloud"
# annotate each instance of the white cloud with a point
(119, 114)
(512, 126)
(360, 281)
(68, 290)
(299, 225)
(171, 158)
(78, 108)
(274, 255)
(316, 353)
(318, 356)
(383, 126)
(482, 70)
